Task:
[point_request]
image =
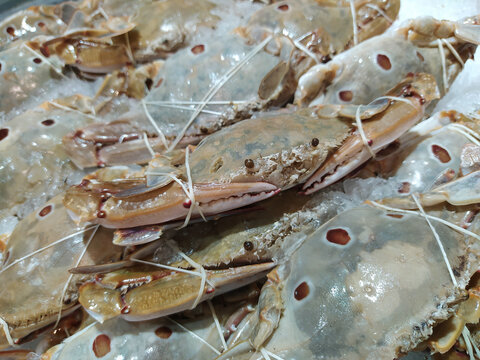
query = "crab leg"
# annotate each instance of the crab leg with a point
(162, 292)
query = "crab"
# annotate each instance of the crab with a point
(239, 166)
(25, 75)
(447, 145)
(372, 274)
(99, 38)
(35, 166)
(36, 286)
(424, 45)
(253, 69)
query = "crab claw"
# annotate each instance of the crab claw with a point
(103, 205)
(381, 130)
(138, 296)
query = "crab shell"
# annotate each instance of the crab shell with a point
(362, 73)
(268, 79)
(444, 152)
(34, 165)
(31, 22)
(25, 74)
(32, 288)
(383, 285)
(328, 25)
(166, 336)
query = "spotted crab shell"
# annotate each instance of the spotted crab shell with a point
(368, 285)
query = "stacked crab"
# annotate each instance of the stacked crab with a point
(258, 181)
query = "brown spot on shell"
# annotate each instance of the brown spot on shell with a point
(41, 24)
(3, 133)
(301, 291)
(420, 56)
(441, 153)
(37, 61)
(345, 95)
(338, 236)
(48, 122)
(384, 62)
(45, 211)
(101, 345)
(198, 49)
(163, 332)
(396, 216)
(404, 187)
(283, 7)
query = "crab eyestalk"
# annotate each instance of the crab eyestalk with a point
(412, 96)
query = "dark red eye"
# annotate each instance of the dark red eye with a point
(338, 236)
(11, 30)
(37, 61)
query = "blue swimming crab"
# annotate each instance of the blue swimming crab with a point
(252, 69)
(256, 158)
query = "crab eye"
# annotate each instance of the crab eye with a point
(10, 30)
(301, 291)
(101, 345)
(384, 62)
(441, 154)
(163, 332)
(1, 66)
(37, 60)
(338, 236)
